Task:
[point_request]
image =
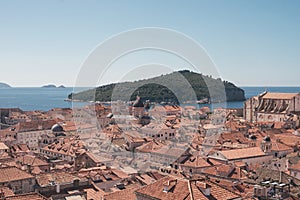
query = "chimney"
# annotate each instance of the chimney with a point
(204, 187)
(238, 169)
(169, 184)
(166, 188)
(57, 188)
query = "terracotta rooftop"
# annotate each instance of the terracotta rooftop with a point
(150, 146)
(196, 162)
(145, 179)
(93, 194)
(222, 170)
(235, 154)
(171, 188)
(35, 125)
(172, 108)
(288, 138)
(179, 190)
(31, 160)
(8, 174)
(96, 158)
(237, 137)
(270, 95)
(47, 179)
(6, 191)
(126, 194)
(277, 146)
(30, 196)
(102, 173)
(20, 148)
(65, 146)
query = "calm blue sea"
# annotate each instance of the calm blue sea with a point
(35, 98)
(48, 98)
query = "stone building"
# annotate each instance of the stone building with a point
(30, 132)
(64, 149)
(19, 181)
(59, 182)
(88, 159)
(273, 107)
(158, 132)
(138, 111)
(249, 155)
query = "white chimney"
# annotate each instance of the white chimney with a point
(57, 188)
(166, 188)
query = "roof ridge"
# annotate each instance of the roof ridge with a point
(190, 189)
(30, 193)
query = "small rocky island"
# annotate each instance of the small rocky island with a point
(53, 86)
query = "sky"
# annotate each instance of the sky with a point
(251, 42)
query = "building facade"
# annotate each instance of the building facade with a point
(273, 107)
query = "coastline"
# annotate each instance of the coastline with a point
(35, 98)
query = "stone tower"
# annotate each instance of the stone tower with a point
(266, 145)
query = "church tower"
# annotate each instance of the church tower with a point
(266, 145)
(138, 107)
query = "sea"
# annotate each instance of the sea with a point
(44, 99)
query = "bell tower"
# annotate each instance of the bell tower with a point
(266, 145)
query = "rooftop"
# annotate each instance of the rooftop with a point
(126, 194)
(8, 174)
(287, 96)
(235, 154)
(172, 188)
(31, 196)
(61, 178)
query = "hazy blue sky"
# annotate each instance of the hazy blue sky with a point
(253, 42)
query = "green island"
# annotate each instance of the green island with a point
(155, 90)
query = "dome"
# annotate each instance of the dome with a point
(57, 128)
(267, 139)
(138, 102)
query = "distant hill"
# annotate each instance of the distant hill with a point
(148, 89)
(4, 85)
